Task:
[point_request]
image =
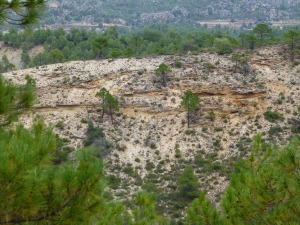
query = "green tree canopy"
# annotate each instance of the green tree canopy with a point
(265, 189)
(251, 40)
(35, 190)
(292, 38)
(101, 43)
(145, 212)
(223, 46)
(190, 102)
(201, 212)
(108, 102)
(262, 30)
(56, 56)
(15, 99)
(188, 184)
(162, 71)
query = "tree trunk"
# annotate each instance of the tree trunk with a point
(292, 52)
(236, 65)
(188, 117)
(164, 83)
(111, 115)
(103, 110)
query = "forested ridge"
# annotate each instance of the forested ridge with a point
(133, 12)
(156, 39)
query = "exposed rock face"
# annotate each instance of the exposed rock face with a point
(151, 124)
(141, 12)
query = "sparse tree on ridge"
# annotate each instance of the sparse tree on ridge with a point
(236, 58)
(262, 30)
(190, 102)
(252, 41)
(243, 38)
(292, 38)
(101, 43)
(163, 71)
(108, 103)
(103, 94)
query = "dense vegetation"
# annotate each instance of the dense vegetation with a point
(159, 39)
(133, 12)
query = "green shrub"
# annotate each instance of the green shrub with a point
(272, 116)
(149, 166)
(178, 64)
(223, 46)
(177, 153)
(93, 134)
(60, 125)
(113, 181)
(190, 132)
(275, 131)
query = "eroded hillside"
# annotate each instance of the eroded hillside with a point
(150, 142)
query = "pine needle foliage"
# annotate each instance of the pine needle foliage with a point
(21, 12)
(163, 71)
(109, 103)
(266, 187)
(145, 212)
(188, 184)
(201, 212)
(15, 99)
(190, 102)
(35, 191)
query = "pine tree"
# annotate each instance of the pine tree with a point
(108, 103)
(163, 71)
(101, 43)
(103, 94)
(252, 41)
(114, 214)
(265, 189)
(292, 37)
(36, 191)
(201, 212)
(190, 102)
(237, 58)
(21, 12)
(262, 30)
(15, 99)
(188, 184)
(145, 212)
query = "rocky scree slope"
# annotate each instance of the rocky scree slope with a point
(150, 143)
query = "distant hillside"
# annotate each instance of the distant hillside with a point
(134, 12)
(150, 143)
